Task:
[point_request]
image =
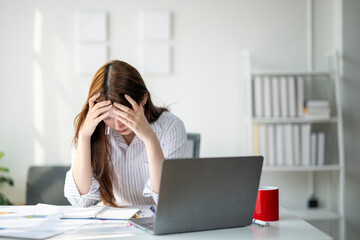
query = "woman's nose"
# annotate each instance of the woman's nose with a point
(118, 124)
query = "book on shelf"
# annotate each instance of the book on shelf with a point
(321, 148)
(314, 149)
(271, 144)
(280, 151)
(300, 95)
(289, 146)
(317, 109)
(284, 97)
(306, 144)
(258, 97)
(267, 97)
(256, 139)
(263, 142)
(292, 96)
(275, 85)
(297, 144)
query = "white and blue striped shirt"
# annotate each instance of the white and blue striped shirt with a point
(131, 183)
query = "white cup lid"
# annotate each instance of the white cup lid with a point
(268, 188)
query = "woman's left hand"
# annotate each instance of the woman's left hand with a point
(134, 118)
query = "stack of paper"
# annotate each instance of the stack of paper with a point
(317, 109)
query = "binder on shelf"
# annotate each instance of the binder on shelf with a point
(271, 144)
(258, 97)
(300, 95)
(321, 148)
(280, 150)
(275, 84)
(292, 96)
(263, 143)
(297, 144)
(314, 149)
(306, 144)
(256, 139)
(289, 148)
(267, 97)
(283, 97)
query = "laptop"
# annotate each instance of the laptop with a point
(205, 193)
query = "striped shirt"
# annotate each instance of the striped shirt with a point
(131, 183)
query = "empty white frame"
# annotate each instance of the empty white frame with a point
(90, 57)
(91, 25)
(155, 58)
(155, 25)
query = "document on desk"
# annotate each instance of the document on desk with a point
(103, 212)
(34, 222)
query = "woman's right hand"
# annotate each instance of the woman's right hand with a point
(97, 112)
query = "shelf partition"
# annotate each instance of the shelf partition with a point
(294, 120)
(333, 167)
(290, 73)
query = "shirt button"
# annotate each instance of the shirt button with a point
(130, 166)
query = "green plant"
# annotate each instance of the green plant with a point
(3, 179)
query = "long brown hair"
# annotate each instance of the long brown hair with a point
(113, 80)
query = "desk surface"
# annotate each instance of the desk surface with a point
(289, 227)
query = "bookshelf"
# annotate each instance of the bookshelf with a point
(331, 206)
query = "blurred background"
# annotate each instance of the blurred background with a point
(43, 89)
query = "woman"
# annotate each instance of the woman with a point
(120, 141)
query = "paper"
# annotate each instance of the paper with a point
(91, 25)
(104, 212)
(156, 58)
(34, 222)
(156, 25)
(90, 57)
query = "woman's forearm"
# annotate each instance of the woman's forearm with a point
(82, 165)
(155, 159)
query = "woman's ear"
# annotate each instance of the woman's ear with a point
(144, 100)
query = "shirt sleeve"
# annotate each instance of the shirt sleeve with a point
(72, 193)
(173, 146)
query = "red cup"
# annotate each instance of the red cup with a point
(267, 204)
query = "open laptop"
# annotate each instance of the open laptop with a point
(205, 193)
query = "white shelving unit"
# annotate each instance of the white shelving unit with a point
(336, 168)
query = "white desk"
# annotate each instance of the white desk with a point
(289, 227)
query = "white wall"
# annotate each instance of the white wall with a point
(40, 93)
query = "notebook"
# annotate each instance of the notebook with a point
(101, 212)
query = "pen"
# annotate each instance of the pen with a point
(260, 223)
(137, 214)
(152, 209)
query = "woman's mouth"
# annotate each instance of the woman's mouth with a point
(122, 131)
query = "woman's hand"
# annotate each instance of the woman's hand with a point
(134, 119)
(97, 112)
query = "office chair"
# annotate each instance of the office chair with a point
(193, 145)
(46, 185)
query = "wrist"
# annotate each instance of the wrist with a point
(84, 138)
(150, 139)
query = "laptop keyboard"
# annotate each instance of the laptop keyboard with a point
(148, 225)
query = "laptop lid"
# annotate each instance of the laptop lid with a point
(207, 193)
